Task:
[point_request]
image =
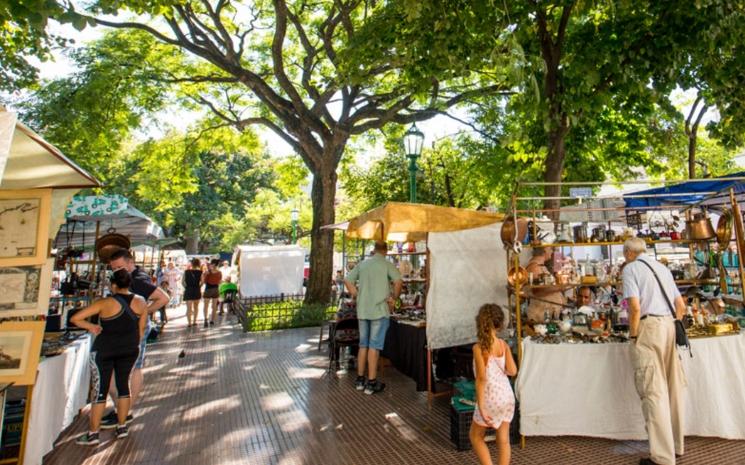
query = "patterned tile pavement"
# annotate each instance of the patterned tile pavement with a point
(267, 398)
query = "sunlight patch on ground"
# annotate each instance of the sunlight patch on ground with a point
(216, 406)
(306, 373)
(294, 420)
(276, 401)
(406, 432)
(291, 457)
(303, 348)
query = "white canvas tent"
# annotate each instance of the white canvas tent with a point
(269, 270)
(29, 162)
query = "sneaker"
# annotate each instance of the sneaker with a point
(88, 439)
(121, 431)
(359, 383)
(373, 387)
(110, 421)
(212, 323)
(206, 324)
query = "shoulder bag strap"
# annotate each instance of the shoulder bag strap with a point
(667, 299)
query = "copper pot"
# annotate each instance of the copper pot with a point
(517, 275)
(724, 229)
(700, 228)
(109, 243)
(508, 230)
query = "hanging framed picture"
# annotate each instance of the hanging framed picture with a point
(25, 290)
(24, 226)
(20, 349)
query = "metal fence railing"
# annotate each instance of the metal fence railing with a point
(280, 312)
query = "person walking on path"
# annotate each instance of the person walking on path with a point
(173, 277)
(495, 401)
(370, 284)
(192, 291)
(156, 299)
(211, 279)
(650, 291)
(123, 318)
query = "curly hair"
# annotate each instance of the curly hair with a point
(490, 317)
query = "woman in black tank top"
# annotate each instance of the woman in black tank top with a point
(122, 318)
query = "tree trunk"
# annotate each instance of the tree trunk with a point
(692, 155)
(555, 168)
(192, 241)
(323, 195)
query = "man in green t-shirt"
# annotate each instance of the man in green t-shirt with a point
(370, 284)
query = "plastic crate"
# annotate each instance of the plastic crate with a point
(460, 426)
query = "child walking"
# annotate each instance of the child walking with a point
(493, 363)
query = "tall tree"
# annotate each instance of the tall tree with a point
(279, 64)
(93, 113)
(192, 181)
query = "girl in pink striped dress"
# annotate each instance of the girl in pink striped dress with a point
(493, 363)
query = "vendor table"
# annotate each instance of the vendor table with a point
(61, 390)
(588, 390)
(406, 348)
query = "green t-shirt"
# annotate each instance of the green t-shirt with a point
(373, 278)
(225, 287)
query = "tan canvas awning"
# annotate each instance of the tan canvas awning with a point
(412, 221)
(32, 163)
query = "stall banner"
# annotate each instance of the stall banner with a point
(7, 127)
(468, 268)
(97, 205)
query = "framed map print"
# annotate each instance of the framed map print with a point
(24, 226)
(20, 350)
(25, 289)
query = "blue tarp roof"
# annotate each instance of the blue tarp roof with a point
(687, 193)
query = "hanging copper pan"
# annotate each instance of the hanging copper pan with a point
(724, 229)
(109, 243)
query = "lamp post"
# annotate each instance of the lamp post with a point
(294, 215)
(413, 141)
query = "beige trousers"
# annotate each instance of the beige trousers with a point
(659, 380)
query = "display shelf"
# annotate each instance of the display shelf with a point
(411, 307)
(682, 282)
(593, 244)
(733, 299)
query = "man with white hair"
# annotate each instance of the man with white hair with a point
(651, 293)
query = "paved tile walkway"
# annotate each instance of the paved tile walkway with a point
(267, 398)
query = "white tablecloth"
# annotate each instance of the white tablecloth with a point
(61, 390)
(588, 390)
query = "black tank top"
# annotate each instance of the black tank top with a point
(120, 333)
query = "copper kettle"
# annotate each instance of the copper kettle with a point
(700, 228)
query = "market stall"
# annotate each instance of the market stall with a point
(36, 183)
(90, 222)
(446, 259)
(583, 345)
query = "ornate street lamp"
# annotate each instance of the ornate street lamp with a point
(413, 141)
(294, 216)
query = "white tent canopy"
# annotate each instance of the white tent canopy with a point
(113, 212)
(269, 270)
(29, 162)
